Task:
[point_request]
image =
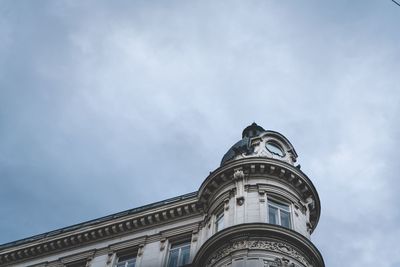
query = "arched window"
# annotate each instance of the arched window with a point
(275, 149)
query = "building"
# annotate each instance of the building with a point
(256, 209)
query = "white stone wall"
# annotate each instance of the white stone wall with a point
(254, 192)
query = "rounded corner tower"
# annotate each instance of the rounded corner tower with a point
(259, 208)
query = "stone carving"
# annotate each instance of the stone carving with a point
(110, 257)
(140, 250)
(276, 263)
(226, 204)
(258, 149)
(257, 244)
(89, 260)
(162, 243)
(240, 201)
(195, 234)
(238, 174)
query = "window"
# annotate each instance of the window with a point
(81, 263)
(179, 254)
(279, 213)
(275, 149)
(219, 222)
(128, 260)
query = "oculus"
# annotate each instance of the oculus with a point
(274, 149)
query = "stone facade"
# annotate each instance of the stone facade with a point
(256, 209)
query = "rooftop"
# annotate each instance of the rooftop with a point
(98, 220)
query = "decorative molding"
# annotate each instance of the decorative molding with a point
(140, 250)
(240, 201)
(107, 230)
(195, 235)
(272, 246)
(55, 264)
(219, 199)
(87, 255)
(273, 169)
(226, 204)
(42, 264)
(128, 244)
(183, 230)
(110, 257)
(275, 263)
(273, 239)
(238, 174)
(162, 244)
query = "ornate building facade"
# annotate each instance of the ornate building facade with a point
(257, 209)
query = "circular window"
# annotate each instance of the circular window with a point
(274, 149)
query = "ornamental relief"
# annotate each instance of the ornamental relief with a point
(257, 244)
(276, 263)
(279, 263)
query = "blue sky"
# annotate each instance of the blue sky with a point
(109, 105)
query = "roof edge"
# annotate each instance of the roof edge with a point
(103, 219)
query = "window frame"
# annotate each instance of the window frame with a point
(276, 144)
(277, 204)
(131, 254)
(179, 244)
(218, 217)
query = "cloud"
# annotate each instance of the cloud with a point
(99, 99)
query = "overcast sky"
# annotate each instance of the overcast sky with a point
(109, 105)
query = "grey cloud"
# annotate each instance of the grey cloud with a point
(99, 99)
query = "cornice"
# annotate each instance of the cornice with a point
(276, 169)
(106, 230)
(259, 236)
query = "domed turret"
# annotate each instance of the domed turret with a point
(259, 209)
(257, 142)
(252, 130)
